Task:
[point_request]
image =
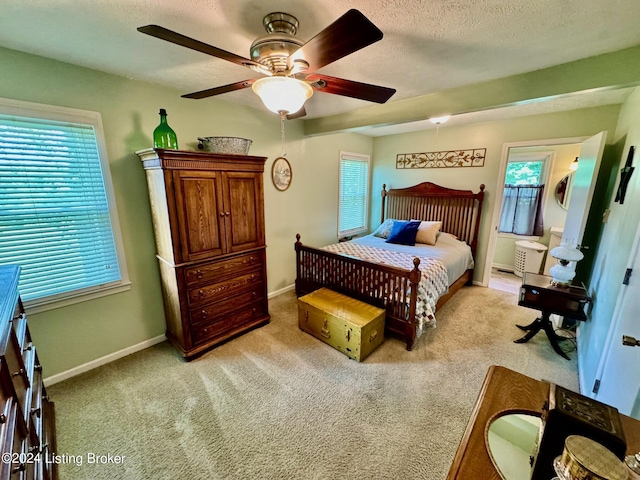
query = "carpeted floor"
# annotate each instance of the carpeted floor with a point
(277, 403)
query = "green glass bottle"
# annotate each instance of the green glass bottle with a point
(163, 135)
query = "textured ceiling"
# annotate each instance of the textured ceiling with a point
(428, 46)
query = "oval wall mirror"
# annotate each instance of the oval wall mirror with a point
(511, 439)
(563, 190)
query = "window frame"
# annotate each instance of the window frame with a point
(361, 157)
(56, 113)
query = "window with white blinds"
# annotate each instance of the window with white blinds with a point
(56, 207)
(354, 194)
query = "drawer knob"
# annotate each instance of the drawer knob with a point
(227, 214)
(222, 214)
(199, 274)
(201, 293)
(204, 313)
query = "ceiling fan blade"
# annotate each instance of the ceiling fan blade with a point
(210, 92)
(349, 88)
(300, 113)
(349, 33)
(182, 40)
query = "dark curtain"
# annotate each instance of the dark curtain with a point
(522, 210)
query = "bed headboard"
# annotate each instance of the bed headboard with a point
(458, 210)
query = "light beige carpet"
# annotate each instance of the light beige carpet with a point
(277, 403)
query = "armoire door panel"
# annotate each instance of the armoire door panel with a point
(201, 214)
(246, 219)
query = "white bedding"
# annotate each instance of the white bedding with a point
(454, 254)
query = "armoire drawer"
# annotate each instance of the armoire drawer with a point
(211, 312)
(221, 269)
(220, 291)
(206, 331)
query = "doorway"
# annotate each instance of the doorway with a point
(501, 248)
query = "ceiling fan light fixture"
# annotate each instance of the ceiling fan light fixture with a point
(439, 120)
(282, 94)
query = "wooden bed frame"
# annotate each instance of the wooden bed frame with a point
(395, 289)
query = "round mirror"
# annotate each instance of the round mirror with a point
(563, 190)
(511, 439)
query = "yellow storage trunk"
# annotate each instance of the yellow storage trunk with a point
(351, 326)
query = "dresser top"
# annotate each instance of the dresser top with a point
(9, 275)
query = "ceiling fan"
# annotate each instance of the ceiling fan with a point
(290, 64)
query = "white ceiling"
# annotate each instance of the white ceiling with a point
(428, 46)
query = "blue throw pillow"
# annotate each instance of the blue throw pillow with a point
(403, 232)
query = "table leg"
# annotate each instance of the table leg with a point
(526, 328)
(542, 323)
(553, 339)
(532, 329)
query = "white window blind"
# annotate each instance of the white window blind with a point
(354, 193)
(55, 219)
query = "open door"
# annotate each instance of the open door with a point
(584, 184)
(619, 383)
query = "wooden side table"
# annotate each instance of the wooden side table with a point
(538, 293)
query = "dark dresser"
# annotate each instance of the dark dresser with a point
(27, 418)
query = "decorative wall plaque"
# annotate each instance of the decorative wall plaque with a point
(281, 173)
(449, 158)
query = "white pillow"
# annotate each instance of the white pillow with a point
(427, 232)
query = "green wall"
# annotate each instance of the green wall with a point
(72, 336)
(490, 135)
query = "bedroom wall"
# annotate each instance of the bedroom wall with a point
(72, 336)
(490, 135)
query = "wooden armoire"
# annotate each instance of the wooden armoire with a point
(208, 218)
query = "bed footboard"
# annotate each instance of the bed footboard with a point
(394, 289)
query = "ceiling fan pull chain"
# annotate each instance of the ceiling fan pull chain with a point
(282, 118)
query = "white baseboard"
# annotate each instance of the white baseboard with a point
(98, 362)
(281, 291)
(500, 266)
